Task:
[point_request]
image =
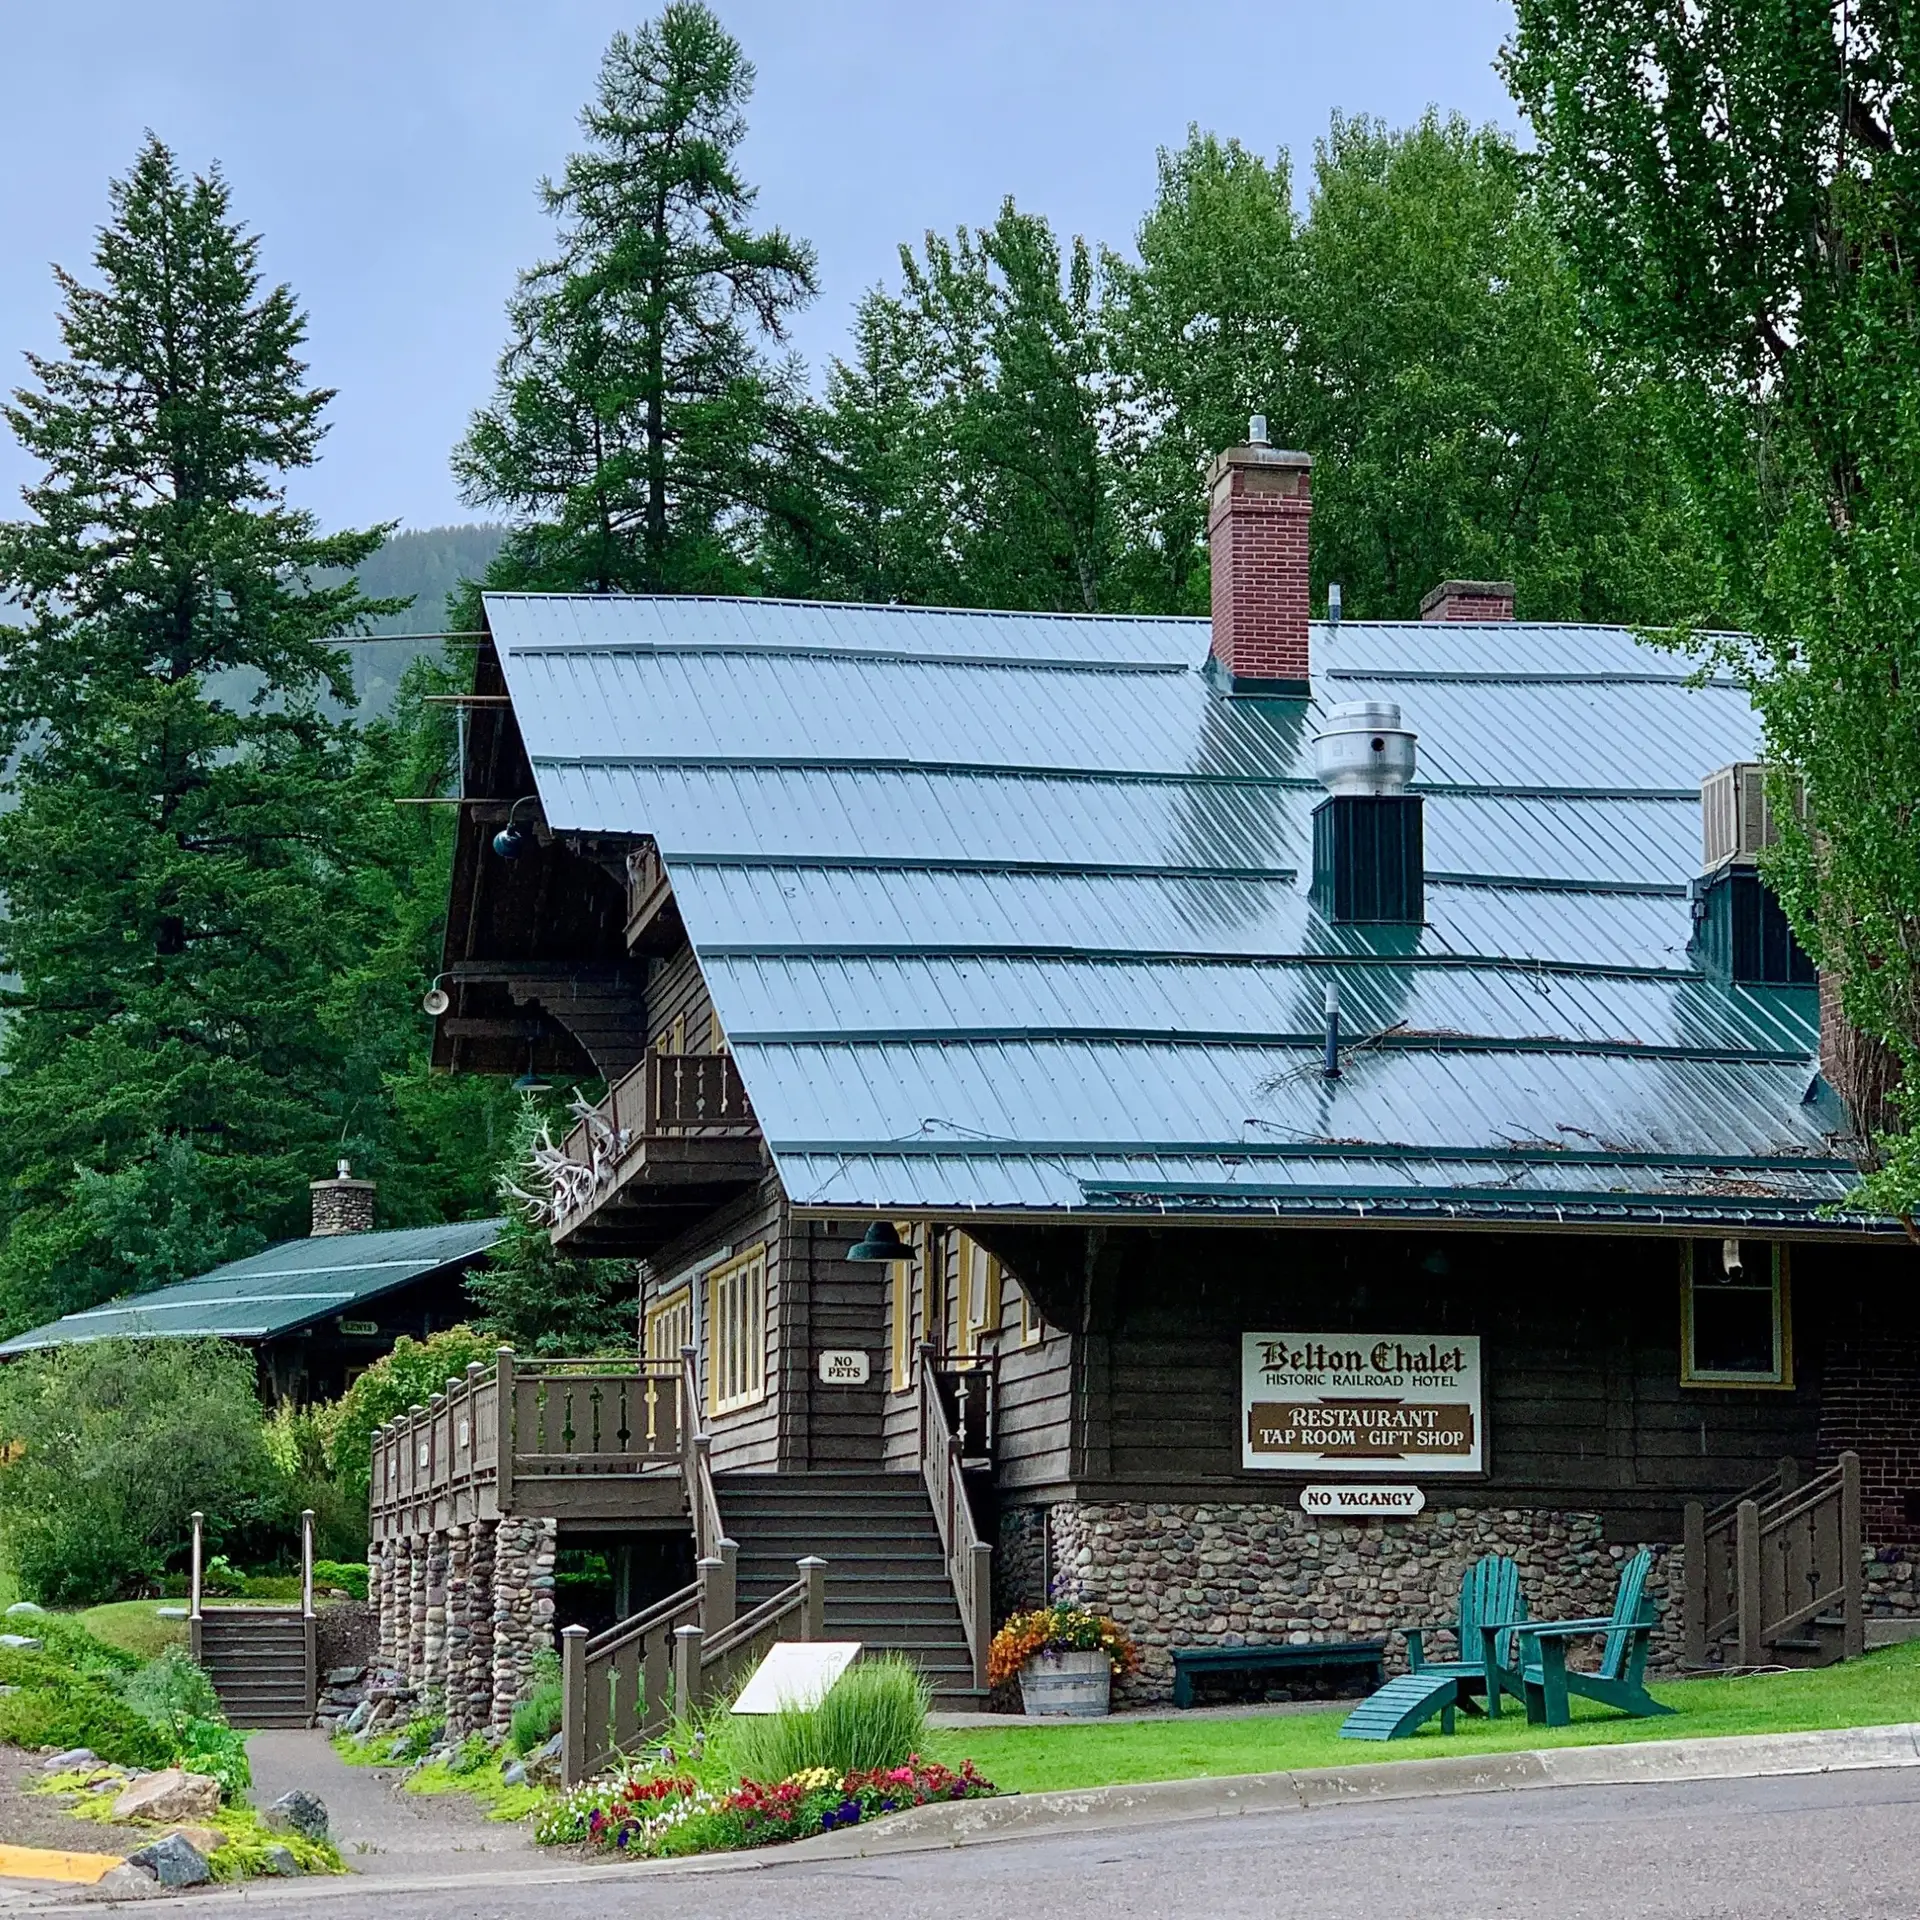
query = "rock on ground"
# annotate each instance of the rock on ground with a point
(298, 1812)
(170, 1795)
(127, 1881)
(174, 1862)
(280, 1861)
(74, 1760)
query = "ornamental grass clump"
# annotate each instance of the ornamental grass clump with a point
(873, 1716)
(1058, 1629)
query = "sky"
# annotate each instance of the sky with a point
(388, 154)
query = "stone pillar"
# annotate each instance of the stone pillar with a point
(394, 1583)
(523, 1557)
(477, 1683)
(456, 1630)
(434, 1622)
(416, 1663)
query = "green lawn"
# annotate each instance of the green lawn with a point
(1880, 1690)
(135, 1626)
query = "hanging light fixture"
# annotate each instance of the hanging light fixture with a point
(436, 1000)
(881, 1243)
(517, 835)
(532, 1081)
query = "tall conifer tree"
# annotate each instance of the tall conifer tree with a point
(180, 866)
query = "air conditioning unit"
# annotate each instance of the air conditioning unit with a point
(1735, 819)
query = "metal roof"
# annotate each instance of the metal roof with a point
(1009, 912)
(275, 1292)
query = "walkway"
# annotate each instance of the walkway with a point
(379, 1830)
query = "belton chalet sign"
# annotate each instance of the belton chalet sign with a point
(1362, 1403)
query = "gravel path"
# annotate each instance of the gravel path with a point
(380, 1830)
(31, 1820)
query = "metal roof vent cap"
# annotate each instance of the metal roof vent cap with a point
(1363, 748)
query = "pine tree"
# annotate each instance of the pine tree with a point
(182, 869)
(637, 431)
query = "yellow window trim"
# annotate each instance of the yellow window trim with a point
(672, 1311)
(737, 1332)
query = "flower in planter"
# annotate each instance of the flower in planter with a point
(1058, 1629)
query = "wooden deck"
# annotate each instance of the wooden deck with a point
(580, 1440)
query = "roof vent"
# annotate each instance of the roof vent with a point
(1368, 834)
(1363, 748)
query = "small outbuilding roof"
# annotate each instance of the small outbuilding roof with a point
(293, 1285)
(1010, 912)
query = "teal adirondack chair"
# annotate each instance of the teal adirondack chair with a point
(1489, 1592)
(1621, 1678)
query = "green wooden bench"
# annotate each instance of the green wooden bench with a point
(1489, 1592)
(1272, 1657)
(1621, 1678)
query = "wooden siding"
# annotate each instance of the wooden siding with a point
(1581, 1351)
(679, 1009)
(846, 1307)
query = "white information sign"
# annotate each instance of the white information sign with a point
(1374, 1403)
(844, 1367)
(796, 1673)
(1338, 1501)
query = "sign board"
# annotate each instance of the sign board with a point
(1339, 1502)
(796, 1673)
(843, 1367)
(1362, 1403)
(360, 1326)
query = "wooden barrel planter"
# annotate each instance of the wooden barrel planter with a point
(1067, 1686)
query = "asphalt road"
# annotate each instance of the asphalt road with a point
(1842, 1846)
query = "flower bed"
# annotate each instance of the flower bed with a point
(651, 1815)
(1058, 1630)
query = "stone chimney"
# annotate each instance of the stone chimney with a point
(1469, 600)
(342, 1204)
(1259, 503)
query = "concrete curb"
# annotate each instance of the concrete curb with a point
(1163, 1802)
(1643, 1763)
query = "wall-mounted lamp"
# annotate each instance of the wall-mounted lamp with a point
(881, 1243)
(436, 1000)
(517, 835)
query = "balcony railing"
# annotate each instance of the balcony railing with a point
(566, 1421)
(661, 1112)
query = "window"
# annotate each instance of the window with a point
(900, 1305)
(672, 1039)
(977, 1294)
(1032, 1327)
(1735, 1324)
(670, 1324)
(716, 1033)
(737, 1332)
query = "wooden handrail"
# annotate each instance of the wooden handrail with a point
(614, 1689)
(969, 1558)
(696, 1461)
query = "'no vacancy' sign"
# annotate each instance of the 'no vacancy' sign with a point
(1394, 1403)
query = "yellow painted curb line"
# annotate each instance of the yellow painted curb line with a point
(47, 1863)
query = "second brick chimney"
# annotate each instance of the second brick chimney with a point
(1469, 600)
(1259, 503)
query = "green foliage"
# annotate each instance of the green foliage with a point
(56, 1705)
(170, 1691)
(296, 1441)
(539, 1301)
(1738, 190)
(536, 1719)
(212, 1747)
(110, 1446)
(418, 1737)
(472, 1754)
(636, 428)
(873, 1716)
(409, 1376)
(350, 1576)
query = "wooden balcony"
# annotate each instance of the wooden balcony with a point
(671, 1141)
(581, 1440)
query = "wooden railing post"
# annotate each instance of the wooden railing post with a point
(980, 1614)
(194, 1564)
(813, 1609)
(718, 1586)
(1853, 1548)
(503, 1430)
(1693, 1574)
(1747, 1583)
(573, 1705)
(686, 1671)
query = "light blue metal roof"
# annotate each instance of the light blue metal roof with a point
(1008, 912)
(275, 1292)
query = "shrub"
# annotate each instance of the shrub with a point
(212, 1747)
(408, 1376)
(873, 1717)
(55, 1705)
(470, 1755)
(110, 1446)
(418, 1737)
(170, 1691)
(536, 1719)
(348, 1575)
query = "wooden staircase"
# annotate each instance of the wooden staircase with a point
(887, 1586)
(262, 1660)
(261, 1663)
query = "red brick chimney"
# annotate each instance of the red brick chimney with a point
(1469, 600)
(1260, 501)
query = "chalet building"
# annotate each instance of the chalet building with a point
(317, 1312)
(1225, 1120)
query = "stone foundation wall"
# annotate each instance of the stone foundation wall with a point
(523, 1557)
(1236, 1573)
(1020, 1561)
